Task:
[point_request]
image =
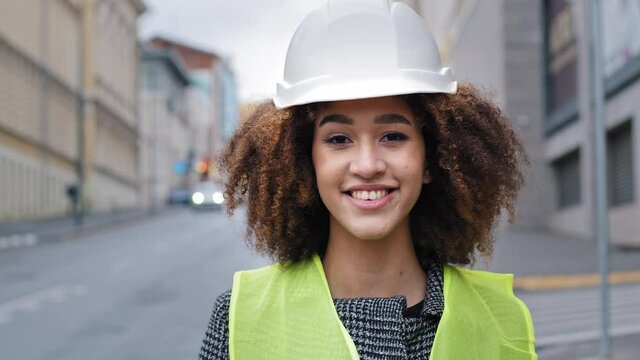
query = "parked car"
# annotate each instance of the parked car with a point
(207, 195)
(179, 196)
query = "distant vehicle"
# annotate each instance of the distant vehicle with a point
(179, 197)
(207, 195)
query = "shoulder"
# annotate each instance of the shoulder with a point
(271, 278)
(216, 340)
(490, 291)
(493, 290)
(495, 282)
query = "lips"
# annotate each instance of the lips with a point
(370, 199)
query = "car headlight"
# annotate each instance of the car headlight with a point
(218, 198)
(197, 198)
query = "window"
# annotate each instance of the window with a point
(150, 80)
(621, 50)
(560, 64)
(620, 165)
(567, 171)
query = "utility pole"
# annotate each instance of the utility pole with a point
(87, 106)
(155, 175)
(601, 223)
(45, 137)
(77, 204)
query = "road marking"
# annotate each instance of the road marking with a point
(554, 282)
(18, 240)
(35, 301)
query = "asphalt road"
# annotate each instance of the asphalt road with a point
(141, 291)
(145, 291)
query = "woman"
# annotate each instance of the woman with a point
(370, 175)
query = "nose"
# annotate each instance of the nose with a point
(367, 162)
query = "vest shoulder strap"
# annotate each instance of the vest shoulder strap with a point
(479, 303)
(286, 312)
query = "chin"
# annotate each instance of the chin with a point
(369, 232)
(368, 227)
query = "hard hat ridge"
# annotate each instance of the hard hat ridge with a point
(354, 49)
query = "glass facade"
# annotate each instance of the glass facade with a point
(560, 63)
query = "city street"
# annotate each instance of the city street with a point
(119, 118)
(142, 291)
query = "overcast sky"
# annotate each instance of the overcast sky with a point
(252, 34)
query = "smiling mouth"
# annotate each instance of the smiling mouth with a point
(369, 195)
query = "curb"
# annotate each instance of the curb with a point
(574, 281)
(23, 239)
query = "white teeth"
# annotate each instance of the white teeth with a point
(369, 195)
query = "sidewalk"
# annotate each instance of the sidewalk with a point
(538, 259)
(624, 348)
(542, 260)
(30, 233)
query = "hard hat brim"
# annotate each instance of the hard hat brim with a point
(326, 88)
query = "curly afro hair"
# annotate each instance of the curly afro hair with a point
(473, 155)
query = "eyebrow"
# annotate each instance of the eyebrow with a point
(336, 118)
(391, 119)
(380, 119)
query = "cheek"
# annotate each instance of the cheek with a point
(325, 169)
(413, 166)
(316, 158)
(321, 165)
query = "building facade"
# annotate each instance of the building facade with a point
(535, 58)
(166, 133)
(68, 94)
(213, 95)
(111, 105)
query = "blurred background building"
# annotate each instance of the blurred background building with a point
(534, 57)
(88, 112)
(212, 98)
(188, 112)
(166, 135)
(86, 109)
(68, 105)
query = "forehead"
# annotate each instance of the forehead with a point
(366, 108)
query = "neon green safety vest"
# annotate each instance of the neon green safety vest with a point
(281, 312)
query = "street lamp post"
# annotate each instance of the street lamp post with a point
(601, 223)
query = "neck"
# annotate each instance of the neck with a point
(373, 268)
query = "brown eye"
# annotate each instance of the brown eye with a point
(337, 140)
(394, 137)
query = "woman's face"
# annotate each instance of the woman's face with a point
(369, 159)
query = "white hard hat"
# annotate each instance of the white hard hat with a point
(355, 49)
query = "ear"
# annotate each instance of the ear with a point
(426, 177)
